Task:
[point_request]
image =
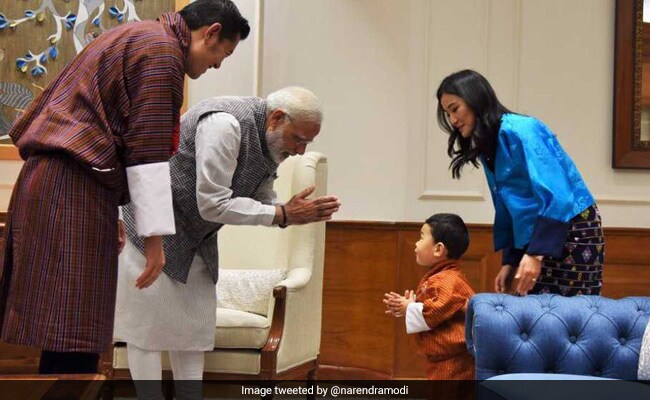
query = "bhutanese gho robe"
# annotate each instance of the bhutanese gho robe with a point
(438, 319)
(108, 120)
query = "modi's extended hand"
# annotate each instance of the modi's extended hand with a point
(301, 210)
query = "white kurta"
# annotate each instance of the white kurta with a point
(170, 315)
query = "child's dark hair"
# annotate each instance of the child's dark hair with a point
(451, 231)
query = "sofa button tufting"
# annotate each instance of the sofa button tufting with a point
(597, 373)
(546, 308)
(524, 336)
(622, 340)
(572, 339)
(499, 308)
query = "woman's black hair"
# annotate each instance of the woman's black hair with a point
(481, 99)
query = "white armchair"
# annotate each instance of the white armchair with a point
(281, 340)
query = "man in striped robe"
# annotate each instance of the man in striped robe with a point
(99, 136)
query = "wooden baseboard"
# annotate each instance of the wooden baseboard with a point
(18, 359)
(336, 373)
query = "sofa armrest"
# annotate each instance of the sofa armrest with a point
(582, 335)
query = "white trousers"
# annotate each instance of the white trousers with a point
(146, 371)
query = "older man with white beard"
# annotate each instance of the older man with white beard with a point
(230, 148)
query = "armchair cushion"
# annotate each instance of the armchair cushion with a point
(240, 330)
(248, 290)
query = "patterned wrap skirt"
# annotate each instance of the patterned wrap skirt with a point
(580, 268)
(59, 276)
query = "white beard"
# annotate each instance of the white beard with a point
(275, 144)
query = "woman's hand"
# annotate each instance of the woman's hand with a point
(504, 279)
(527, 273)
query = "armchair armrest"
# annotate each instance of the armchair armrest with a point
(269, 351)
(296, 279)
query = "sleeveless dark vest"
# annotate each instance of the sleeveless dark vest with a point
(254, 166)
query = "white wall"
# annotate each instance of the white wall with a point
(238, 75)
(376, 65)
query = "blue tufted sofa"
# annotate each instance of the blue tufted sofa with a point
(583, 335)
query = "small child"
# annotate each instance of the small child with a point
(436, 311)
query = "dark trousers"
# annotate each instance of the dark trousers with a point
(53, 362)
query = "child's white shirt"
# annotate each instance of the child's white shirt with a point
(415, 321)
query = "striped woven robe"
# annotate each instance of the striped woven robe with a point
(444, 292)
(115, 106)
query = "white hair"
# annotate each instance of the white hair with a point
(299, 103)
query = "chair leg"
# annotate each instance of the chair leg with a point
(108, 390)
(168, 389)
(270, 386)
(311, 394)
(311, 383)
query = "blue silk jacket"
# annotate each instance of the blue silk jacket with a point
(536, 190)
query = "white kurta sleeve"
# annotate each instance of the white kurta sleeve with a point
(151, 195)
(415, 322)
(218, 137)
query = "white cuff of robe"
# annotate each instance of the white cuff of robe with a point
(120, 213)
(151, 195)
(415, 322)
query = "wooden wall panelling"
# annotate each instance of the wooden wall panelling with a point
(369, 259)
(626, 270)
(365, 260)
(377, 257)
(408, 362)
(359, 268)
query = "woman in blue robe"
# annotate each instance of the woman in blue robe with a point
(546, 220)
